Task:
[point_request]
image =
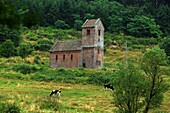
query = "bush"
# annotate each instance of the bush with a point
(147, 41)
(100, 78)
(7, 49)
(26, 69)
(37, 59)
(43, 45)
(60, 24)
(141, 47)
(9, 108)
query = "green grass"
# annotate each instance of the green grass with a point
(80, 98)
(31, 91)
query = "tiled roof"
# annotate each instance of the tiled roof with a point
(67, 45)
(90, 23)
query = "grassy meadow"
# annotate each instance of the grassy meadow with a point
(26, 84)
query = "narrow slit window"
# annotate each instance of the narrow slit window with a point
(64, 57)
(56, 57)
(98, 51)
(88, 32)
(71, 56)
(98, 32)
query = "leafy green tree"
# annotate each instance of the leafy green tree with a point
(166, 46)
(9, 15)
(24, 50)
(143, 26)
(66, 11)
(78, 24)
(11, 34)
(43, 45)
(162, 17)
(8, 49)
(129, 88)
(60, 24)
(151, 64)
(88, 16)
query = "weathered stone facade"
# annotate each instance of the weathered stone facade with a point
(88, 52)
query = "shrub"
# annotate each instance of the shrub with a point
(60, 24)
(7, 49)
(37, 59)
(138, 47)
(147, 41)
(9, 108)
(26, 69)
(43, 45)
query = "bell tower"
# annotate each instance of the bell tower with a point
(92, 43)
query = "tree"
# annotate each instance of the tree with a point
(24, 50)
(150, 63)
(166, 45)
(129, 88)
(60, 24)
(78, 24)
(8, 49)
(143, 26)
(9, 15)
(11, 34)
(163, 19)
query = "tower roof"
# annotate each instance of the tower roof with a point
(90, 23)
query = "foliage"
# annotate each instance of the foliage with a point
(100, 78)
(26, 69)
(9, 34)
(150, 63)
(9, 14)
(118, 16)
(166, 45)
(43, 45)
(143, 26)
(60, 24)
(24, 50)
(129, 87)
(9, 108)
(37, 59)
(8, 49)
(78, 24)
(163, 18)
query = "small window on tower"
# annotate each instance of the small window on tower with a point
(88, 31)
(99, 32)
(98, 51)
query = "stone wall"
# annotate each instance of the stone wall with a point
(69, 59)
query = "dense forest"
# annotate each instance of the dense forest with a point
(136, 18)
(140, 18)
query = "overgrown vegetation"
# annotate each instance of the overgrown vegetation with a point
(28, 29)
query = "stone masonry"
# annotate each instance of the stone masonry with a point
(87, 53)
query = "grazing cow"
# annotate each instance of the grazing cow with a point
(54, 92)
(108, 86)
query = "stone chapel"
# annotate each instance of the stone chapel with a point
(87, 53)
